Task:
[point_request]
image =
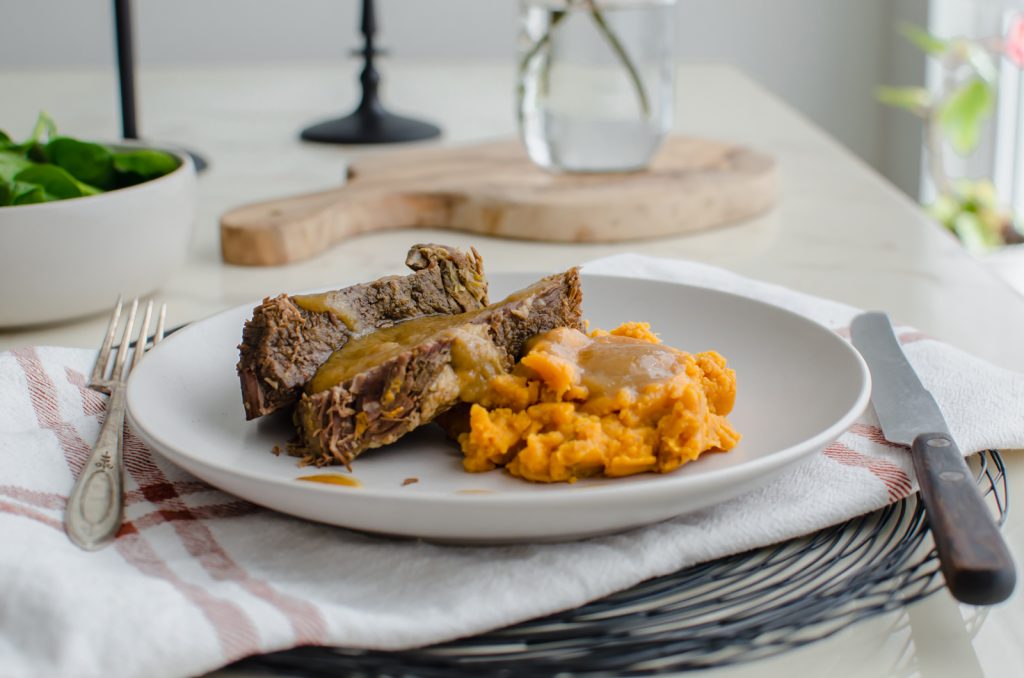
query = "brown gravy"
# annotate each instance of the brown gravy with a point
(606, 364)
(475, 358)
(332, 479)
(609, 364)
(362, 353)
(329, 302)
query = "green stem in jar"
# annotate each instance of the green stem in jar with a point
(556, 17)
(545, 75)
(544, 43)
(598, 16)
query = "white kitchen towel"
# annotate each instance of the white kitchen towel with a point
(198, 578)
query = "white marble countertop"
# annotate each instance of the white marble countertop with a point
(840, 231)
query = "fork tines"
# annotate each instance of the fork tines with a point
(100, 378)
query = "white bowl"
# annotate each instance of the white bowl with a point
(71, 258)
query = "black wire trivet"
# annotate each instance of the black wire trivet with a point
(732, 610)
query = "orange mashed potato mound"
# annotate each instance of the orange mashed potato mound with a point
(605, 403)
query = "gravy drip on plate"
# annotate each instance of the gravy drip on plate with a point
(332, 479)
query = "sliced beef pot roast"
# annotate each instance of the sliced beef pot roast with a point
(382, 385)
(289, 337)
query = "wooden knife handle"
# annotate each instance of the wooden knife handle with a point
(973, 556)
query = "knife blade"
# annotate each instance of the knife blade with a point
(972, 554)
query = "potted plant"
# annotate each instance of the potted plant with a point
(954, 116)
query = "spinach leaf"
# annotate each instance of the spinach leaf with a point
(44, 129)
(35, 151)
(54, 180)
(87, 162)
(143, 165)
(6, 192)
(48, 167)
(34, 148)
(11, 162)
(31, 194)
(20, 193)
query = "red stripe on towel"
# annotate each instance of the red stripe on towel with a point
(93, 402)
(873, 434)
(181, 488)
(912, 337)
(53, 500)
(47, 500)
(235, 633)
(228, 510)
(196, 536)
(896, 481)
(32, 514)
(90, 401)
(44, 402)
(307, 623)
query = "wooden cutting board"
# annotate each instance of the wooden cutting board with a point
(494, 189)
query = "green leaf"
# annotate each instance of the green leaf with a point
(87, 162)
(143, 165)
(54, 180)
(964, 113)
(982, 62)
(925, 41)
(981, 192)
(945, 209)
(982, 231)
(44, 129)
(21, 193)
(33, 194)
(6, 193)
(971, 231)
(915, 99)
(50, 167)
(87, 189)
(28, 194)
(12, 162)
(35, 151)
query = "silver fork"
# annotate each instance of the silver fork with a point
(96, 505)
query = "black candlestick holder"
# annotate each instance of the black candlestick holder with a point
(126, 77)
(370, 123)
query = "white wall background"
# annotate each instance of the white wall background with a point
(824, 57)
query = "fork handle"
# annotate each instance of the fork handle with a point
(96, 505)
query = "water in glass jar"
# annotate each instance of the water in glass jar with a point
(595, 82)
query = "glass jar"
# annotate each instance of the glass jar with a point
(595, 88)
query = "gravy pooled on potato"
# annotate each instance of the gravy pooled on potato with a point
(608, 403)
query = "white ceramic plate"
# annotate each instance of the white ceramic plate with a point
(798, 387)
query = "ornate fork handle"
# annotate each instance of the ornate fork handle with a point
(95, 507)
(94, 510)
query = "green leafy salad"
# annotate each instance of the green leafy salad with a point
(47, 167)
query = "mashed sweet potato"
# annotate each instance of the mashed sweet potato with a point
(613, 403)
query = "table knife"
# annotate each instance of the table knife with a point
(972, 554)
